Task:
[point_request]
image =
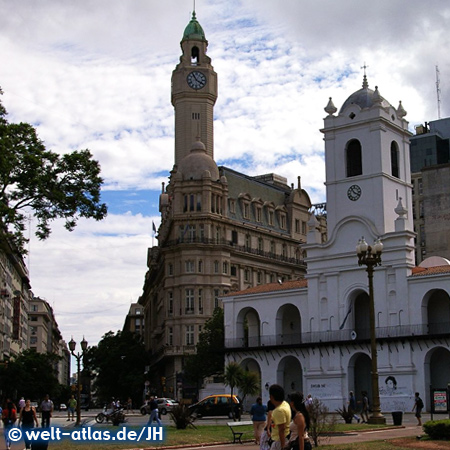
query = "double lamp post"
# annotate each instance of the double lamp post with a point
(370, 256)
(78, 356)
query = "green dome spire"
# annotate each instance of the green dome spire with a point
(194, 30)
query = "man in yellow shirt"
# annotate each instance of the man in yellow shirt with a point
(281, 417)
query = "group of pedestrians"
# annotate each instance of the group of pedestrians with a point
(281, 425)
(25, 416)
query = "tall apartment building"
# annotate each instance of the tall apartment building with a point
(45, 336)
(14, 297)
(220, 231)
(430, 175)
(134, 321)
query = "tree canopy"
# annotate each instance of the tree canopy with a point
(118, 364)
(31, 375)
(49, 186)
(210, 357)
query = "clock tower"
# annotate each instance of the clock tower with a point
(367, 161)
(194, 93)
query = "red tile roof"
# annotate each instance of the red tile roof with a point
(423, 272)
(271, 287)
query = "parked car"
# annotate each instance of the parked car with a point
(164, 406)
(62, 407)
(218, 405)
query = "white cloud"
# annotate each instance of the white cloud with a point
(96, 74)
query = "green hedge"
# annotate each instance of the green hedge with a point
(438, 429)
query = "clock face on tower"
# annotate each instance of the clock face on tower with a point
(196, 80)
(354, 192)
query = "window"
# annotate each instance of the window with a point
(170, 303)
(394, 160)
(189, 266)
(34, 308)
(272, 247)
(232, 206)
(170, 336)
(260, 245)
(246, 211)
(248, 242)
(225, 267)
(303, 227)
(259, 277)
(137, 312)
(297, 225)
(216, 266)
(189, 299)
(284, 251)
(199, 202)
(216, 298)
(271, 217)
(283, 221)
(170, 269)
(258, 214)
(33, 340)
(233, 271)
(189, 334)
(353, 158)
(200, 301)
(246, 275)
(234, 237)
(200, 266)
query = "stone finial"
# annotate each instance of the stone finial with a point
(401, 112)
(377, 98)
(330, 108)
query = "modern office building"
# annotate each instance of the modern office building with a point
(430, 168)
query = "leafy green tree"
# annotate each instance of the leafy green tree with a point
(37, 181)
(249, 384)
(31, 375)
(118, 363)
(209, 359)
(233, 377)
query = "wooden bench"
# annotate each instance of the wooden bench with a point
(234, 427)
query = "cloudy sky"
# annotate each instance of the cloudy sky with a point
(96, 74)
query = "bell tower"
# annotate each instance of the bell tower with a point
(194, 93)
(367, 161)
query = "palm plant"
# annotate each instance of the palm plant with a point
(232, 377)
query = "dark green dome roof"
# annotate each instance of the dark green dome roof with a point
(194, 30)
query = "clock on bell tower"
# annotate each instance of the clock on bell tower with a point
(194, 93)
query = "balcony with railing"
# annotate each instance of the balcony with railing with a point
(235, 247)
(337, 336)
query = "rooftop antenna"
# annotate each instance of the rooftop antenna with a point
(438, 91)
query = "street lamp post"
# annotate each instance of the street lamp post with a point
(371, 257)
(78, 356)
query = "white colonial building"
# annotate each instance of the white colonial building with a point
(312, 335)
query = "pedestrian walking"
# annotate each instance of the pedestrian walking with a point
(27, 419)
(365, 407)
(9, 417)
(298, 428)
(258, 415)
(71, 406)
(129, 405)
(417, 408)
(281, 417)
(153, 412)
(46, 411)
(352, 406)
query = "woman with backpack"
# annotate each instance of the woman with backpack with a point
(9, 417)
